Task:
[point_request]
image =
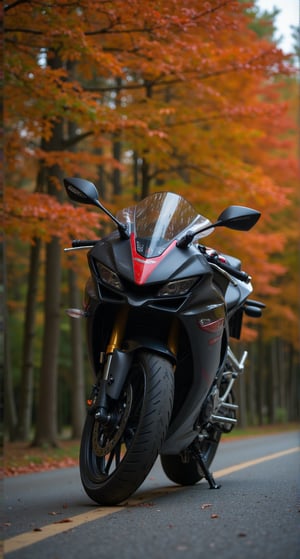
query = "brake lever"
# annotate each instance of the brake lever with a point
(213, 258)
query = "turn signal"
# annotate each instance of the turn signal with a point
(211, 325)
(76, 313)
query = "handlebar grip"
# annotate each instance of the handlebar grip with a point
(77, 243)
(239, 274)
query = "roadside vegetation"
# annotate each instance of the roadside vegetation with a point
(21, 458)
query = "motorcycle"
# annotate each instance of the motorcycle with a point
(160, 308)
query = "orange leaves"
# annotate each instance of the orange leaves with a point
(23, 459)
(164, 44)
(191, 92)
(30, 215)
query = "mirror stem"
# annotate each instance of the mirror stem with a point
(121, 226)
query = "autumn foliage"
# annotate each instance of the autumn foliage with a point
(139, 96)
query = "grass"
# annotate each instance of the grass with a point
(261, 430)
(21, 457)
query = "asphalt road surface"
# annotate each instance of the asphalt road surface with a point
(255, 514)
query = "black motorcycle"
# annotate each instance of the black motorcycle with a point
(160, 308)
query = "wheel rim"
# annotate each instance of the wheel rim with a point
(108, 446)
(104, 439)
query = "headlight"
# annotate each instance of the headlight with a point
(176, 288)
(109, 277)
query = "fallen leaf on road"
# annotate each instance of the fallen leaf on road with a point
(63, 521)
(214, 516)
(206, 506)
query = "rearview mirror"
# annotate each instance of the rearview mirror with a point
(239, 218)
(81, 191)
(85, 192)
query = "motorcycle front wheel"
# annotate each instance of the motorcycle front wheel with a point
(116, 458)
(189, 472)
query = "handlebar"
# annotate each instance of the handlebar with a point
(77, 243)
(239, 274)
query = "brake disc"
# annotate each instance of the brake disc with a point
(105, 439)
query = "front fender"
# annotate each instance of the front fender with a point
(121, 361)
(141, 342)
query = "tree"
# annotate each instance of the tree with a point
(187, 96)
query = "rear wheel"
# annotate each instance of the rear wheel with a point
(185, 470)
(116, 458)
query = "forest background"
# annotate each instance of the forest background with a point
(137, 96)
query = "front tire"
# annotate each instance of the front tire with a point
(114, 461)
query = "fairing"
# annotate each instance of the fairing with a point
(144, 263)
(158, 220)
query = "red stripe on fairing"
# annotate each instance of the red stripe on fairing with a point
(143, 267)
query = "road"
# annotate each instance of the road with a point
(255, 514)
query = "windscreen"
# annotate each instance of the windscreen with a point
(160, 219)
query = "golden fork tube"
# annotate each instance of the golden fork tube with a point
(118, 330)
(173, 336)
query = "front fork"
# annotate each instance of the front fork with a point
(114, 369)
(115, 365)
(115, 340)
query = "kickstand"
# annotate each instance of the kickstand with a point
(207, 474)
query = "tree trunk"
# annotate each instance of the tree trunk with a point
(10, 413)
(26, 389)
(135, 175)
(116, 178)
(274, 380)
(101, 182)
(242, 402)
(282, 370)
(293, 383)
(117, 146)
(260, 379)
(145, 178)
(145, 170)
(46, 429)
(251, 408)
(25, 412)
(77, 360)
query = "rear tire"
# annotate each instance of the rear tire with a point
(115, 460)
(189, 473)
